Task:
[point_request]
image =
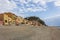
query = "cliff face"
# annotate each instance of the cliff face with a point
(31, 21)
(1, 17)
(7, 18)
(11, 15)
(36, 21)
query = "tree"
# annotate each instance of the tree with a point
(34, 18)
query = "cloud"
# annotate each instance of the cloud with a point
(41, 2)
(33, 5)
(30, 5)
(22, 6)
(53, 21)
(51, 17)
(57, 3)
(36, 9)
(6, 6)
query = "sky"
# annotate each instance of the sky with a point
(47, 10)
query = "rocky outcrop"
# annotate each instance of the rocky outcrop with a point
(35, 21)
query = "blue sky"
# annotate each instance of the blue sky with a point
(45, 9)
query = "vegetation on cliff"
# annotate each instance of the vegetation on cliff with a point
(34, 18)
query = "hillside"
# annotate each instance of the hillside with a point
(28, 32)
(1, 17)
(11, 15)
(33, 20)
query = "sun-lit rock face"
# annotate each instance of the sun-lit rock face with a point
(20, 20)
(4, 19)
(11, 15)
(34, 23)
(10, 18)
(7, 18)
(1, 17)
